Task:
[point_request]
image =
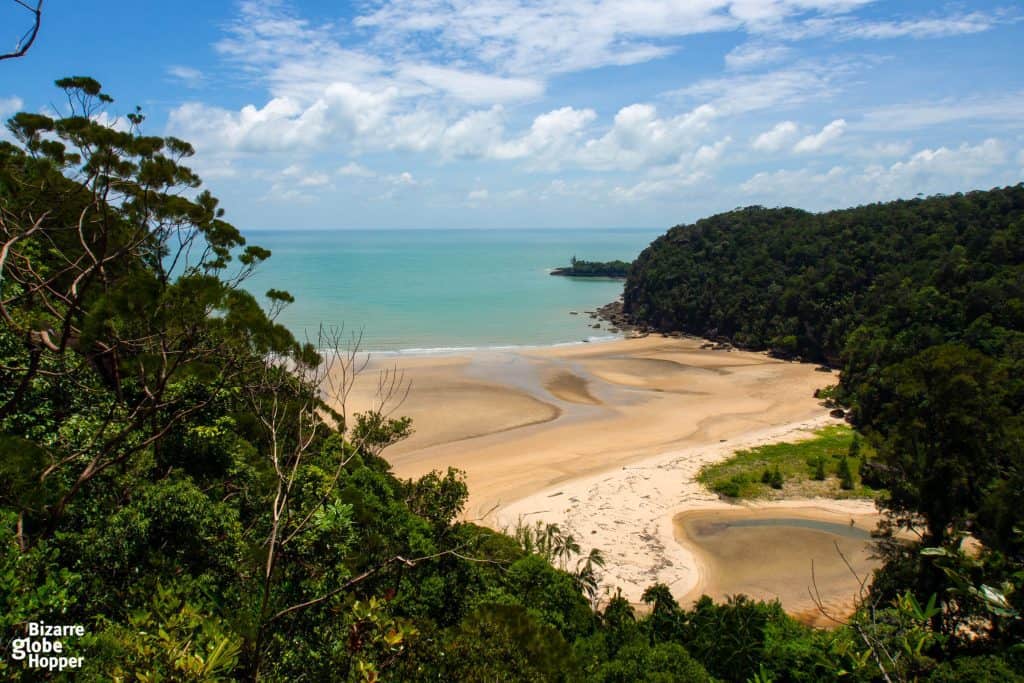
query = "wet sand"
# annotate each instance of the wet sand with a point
(604, 439)
(796, 555)
(523, 420)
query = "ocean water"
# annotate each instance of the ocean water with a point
(417, 290)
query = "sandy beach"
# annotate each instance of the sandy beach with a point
(604, 439)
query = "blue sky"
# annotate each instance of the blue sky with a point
(564, 113)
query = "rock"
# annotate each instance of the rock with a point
(574, 312)
(837, 412)
(823, 368)
(596, 326)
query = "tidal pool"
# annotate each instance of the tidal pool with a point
(785, 554)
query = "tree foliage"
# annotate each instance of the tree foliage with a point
(184, 478)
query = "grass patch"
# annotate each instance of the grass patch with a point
(805, 468)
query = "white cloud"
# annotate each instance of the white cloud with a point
(187, 76)
(457, 80)
(781, 89)
(928, 171)
(397, 185)
(354, 170)
(965, 162)
(542, 38)
(315, 179)
(296, 183)
(929, 27)
(666, 181)
(849, 27)
(10, 105)
(474, 135)
(788, 186)
(780, 135)
(817, 141)
(281, 124)
(657, 187)
(551, 137)
(1005, 108)
(882, 150)
(477, 196)
(472, 87)
(403, 178)
(755, 54)
(709, 154)
(639, 137)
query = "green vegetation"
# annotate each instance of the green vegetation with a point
(179, 476)
(890, 279)
(813, 467)
(921, 304)
(577, 268)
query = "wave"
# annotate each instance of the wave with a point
(456, 350)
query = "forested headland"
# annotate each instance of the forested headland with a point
(580, 268)
(179, 475)
(920, 303)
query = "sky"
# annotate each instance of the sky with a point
(549, 114)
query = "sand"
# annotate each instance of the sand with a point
(604, 439)
(815, 570)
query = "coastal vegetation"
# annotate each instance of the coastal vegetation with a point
(578, 268)
(921, 305)
(825, 465)
(181, 477)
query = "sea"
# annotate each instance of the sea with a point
(423, 291)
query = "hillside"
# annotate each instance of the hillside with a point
(921, 304)
(801, 283)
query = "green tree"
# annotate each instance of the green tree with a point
(845, 474)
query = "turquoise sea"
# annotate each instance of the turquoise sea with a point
(414, 290)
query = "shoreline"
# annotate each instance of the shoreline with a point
(629, 513)
(604, 439)
(783, 580)
(415, 352)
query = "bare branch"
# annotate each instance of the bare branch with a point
(29, 37)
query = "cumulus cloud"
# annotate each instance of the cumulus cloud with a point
(966, 161)
(455, 80)
(551, 137)
(780, 135)
(817, 141)
(10, 105)
(928, 171)
(640, 137)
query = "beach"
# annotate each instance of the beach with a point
(603, 439)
